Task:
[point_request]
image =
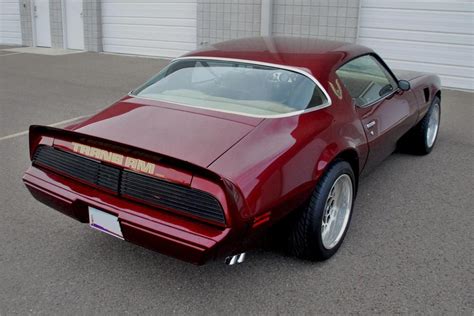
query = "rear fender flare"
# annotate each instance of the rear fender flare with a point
(332, 153)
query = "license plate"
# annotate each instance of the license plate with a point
(105, 222)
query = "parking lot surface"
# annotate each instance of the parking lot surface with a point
(409, 248)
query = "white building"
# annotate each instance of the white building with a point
(427, 35)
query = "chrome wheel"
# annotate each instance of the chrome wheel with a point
(433, 126)
(337, 211)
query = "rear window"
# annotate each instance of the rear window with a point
(233, 86)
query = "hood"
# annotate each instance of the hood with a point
(192, 135)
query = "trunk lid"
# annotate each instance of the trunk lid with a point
(192, 135)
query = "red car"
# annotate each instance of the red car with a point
(225, 142)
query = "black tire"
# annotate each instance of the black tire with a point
(305, 236)
(416, 140)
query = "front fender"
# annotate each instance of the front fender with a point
(425, 87)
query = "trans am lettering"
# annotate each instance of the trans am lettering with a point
(118, 159)
(139, 165)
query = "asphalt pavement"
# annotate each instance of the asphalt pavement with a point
(409, 248)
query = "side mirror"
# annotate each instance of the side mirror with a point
(404, 85)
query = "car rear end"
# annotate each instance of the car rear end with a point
(159, 202)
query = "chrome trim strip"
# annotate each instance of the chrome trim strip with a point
(238, 113)
(370, 124)
(245, 61)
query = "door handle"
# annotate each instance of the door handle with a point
(370, 124)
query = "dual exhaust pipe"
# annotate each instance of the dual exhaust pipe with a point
(235, 259)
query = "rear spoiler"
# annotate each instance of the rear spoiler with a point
(38, 132)
(234, 197)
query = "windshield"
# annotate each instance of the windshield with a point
(233, 86)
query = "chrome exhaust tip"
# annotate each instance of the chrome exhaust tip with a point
(231, 260)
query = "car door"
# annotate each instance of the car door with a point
(385, 111)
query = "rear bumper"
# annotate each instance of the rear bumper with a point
(157, 230)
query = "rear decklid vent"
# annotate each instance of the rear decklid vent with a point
(79, 167)
(164, 194)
